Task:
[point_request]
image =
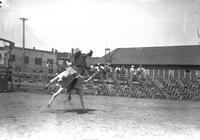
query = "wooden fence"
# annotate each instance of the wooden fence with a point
(157, 87)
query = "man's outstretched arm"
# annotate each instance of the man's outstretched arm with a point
(90, 53)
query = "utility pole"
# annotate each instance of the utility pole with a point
(107, 55)
(23, 37)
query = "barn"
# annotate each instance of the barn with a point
(175, 61)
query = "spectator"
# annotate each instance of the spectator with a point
(141, 70)
(132, 72)
(132, 69)
(117, 71)
(122, 71)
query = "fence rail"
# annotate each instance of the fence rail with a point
(149, 87)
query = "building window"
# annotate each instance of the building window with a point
(50, 62)
(60, 62)
(12, 57)
(50, 71)
(38, 61)
(187, 74)
(1, 56)
(26, 60)
(187, 71)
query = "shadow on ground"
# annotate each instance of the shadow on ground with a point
(63, 111)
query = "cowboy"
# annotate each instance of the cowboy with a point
(108, 69)
(107, 66)
(132, 72)
(122, 71)
(141, 70)
(78, 60)
(117, 69)
(72, 77)
(132, 69)
(92, 69)
(100, 67)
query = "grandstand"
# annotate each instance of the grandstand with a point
(176, 61)
(172, 72)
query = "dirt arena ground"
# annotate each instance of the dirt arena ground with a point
(26, 116)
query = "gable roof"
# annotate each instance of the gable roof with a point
(165, 55)
(94, 60)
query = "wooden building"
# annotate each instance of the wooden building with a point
(62, 57)
(6, 83)
(175, 61)
(38, 61)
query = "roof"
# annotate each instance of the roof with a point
(94, 60)
(63, 55)
(163, 55)
(30, 49)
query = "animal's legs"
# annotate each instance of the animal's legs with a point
(50, 82)
(54, 95)
(47, 85)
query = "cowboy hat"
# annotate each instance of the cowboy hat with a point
(76, 50)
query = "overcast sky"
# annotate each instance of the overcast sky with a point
(97, 24)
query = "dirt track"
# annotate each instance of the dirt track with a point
(25, 115)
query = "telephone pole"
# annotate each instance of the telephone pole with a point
(23, 37)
